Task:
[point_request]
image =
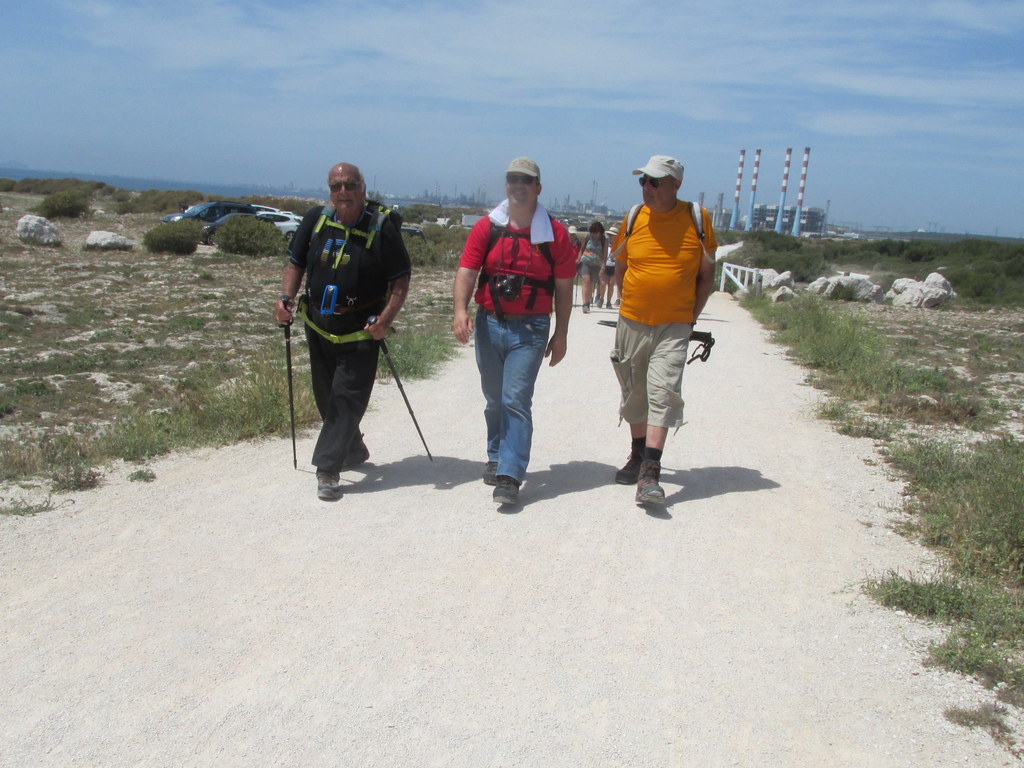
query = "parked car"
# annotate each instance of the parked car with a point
(283, 220)
(212, 226)
(211, 211)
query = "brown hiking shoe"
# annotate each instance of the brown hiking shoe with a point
(630, 473)
(647, 489)
(328, 486)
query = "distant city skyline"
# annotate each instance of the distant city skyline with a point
(913, 110)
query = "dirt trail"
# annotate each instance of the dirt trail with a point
(221, 615)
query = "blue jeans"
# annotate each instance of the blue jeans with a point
(509, 356)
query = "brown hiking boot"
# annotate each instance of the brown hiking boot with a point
(328, 485)
(647, 489)
(630, 473)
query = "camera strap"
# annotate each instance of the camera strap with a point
(498, 312)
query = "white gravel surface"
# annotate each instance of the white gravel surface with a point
(223, 616)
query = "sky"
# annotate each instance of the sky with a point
(913, 109)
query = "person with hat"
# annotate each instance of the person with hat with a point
(518, 265)
(606, 290)
(664, 271)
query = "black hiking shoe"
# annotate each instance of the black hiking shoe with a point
(328, 486)
(491, 473)
(358, 453)
(630, 473)
(647, 489)
(506, 490)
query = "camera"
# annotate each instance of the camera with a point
(508, 287)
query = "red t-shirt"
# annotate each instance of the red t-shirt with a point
(516, 256)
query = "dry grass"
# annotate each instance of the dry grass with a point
(86, 335)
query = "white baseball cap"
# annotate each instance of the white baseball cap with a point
(660, 166)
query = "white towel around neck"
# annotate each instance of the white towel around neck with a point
(540, 227)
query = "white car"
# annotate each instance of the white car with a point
(283, 220)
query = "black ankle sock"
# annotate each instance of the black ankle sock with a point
(653, 454)
(639, 443)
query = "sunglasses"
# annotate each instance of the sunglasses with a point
(348, 186)
(650, 180)
(518, 178)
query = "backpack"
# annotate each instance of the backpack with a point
(497, 232)
(332, 321)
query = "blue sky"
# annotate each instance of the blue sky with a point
(914, 111)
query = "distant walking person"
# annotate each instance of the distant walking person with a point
(665, 274)
(518, 264)
(606, 291)
(356, 267)
(592, 255)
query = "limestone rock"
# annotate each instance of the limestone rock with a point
(108, 241)
(35, 230)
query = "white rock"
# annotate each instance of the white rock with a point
(108, 241)
(36, 230)
(784, 293)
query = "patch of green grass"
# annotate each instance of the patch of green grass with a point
(940, 598)
(855, 362)
(419, 355)
(31, 388)
(986, 620)
(144, 475)
(969, 499)
(848, 420)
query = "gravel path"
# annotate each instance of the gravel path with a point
(221, 615)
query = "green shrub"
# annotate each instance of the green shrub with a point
(177, 237)
(249, 236)
(158, 201)
(66, 204)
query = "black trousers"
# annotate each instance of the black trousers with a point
(343, 377)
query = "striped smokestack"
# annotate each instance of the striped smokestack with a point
(753, 189)
(800, 194)
(736, 200)
(782, 200)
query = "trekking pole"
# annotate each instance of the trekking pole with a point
(398, 381)
(291, 394)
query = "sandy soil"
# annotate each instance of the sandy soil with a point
(222, 615)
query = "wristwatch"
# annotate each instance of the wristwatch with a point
(285, 298)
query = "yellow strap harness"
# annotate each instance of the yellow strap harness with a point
(300, 310)
(377, 223)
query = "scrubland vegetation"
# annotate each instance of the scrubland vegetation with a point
(983, 272)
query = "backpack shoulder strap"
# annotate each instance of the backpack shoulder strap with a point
(698, 220)
(630, 221)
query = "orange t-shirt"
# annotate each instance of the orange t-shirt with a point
(663, 256)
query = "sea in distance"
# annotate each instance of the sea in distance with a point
(141, 184)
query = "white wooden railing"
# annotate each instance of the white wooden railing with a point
(745, 277)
